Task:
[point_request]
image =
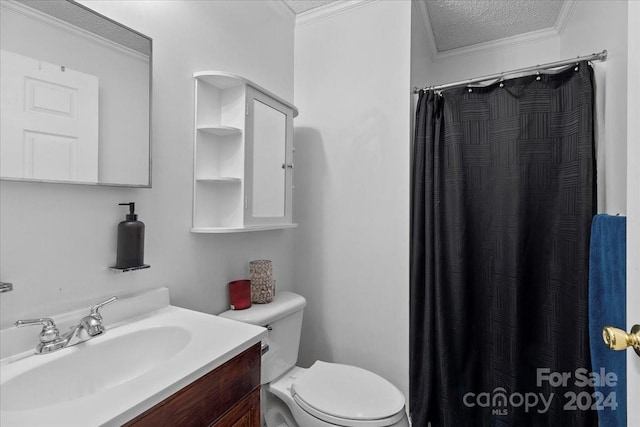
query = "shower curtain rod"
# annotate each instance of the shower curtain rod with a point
(601, 56)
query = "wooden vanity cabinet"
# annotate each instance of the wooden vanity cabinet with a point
(228, 396)
(244, 414)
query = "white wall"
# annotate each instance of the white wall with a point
(633, 220)
(421, 60)
(352, 141)
(56, 241)
(591, 27)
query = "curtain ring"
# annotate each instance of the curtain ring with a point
(469, 90)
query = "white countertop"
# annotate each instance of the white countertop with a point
(213, 341)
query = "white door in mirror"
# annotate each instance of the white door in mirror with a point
(49, 121)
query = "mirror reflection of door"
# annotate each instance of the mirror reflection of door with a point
(269, 161)
(49, 121)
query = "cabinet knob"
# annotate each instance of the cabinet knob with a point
(287, 166)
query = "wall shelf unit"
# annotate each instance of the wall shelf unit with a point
(243, 156)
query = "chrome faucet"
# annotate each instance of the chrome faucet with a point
(50, 339)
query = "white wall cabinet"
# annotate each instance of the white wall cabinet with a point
(243, 156)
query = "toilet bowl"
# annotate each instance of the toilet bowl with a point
(275, 412)
(323, 395)
(329, 394)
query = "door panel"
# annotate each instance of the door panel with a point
(633, 207)
(50, 156)
(50, 113)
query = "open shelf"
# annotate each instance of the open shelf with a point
(224, 80)
(220, 130)
(225, 230)
(220, 179)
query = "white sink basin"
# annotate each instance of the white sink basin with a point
(143, 358)
(92, 367)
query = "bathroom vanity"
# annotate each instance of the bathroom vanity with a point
(227, 396)
(156, 364)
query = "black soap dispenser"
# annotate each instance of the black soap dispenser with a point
(130, 240)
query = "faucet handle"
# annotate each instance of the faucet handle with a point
(95, 308)
(92, 324)
(49, 331)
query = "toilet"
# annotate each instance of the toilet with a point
(323, 395)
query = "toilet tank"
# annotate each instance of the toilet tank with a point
(283, 319)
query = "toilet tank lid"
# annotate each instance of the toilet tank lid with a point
(283, 304)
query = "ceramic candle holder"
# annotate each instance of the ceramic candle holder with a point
(262, 284)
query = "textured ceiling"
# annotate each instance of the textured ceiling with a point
(299, 6)
(459, 23)
(462, 23)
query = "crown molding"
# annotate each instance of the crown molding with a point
(42, 17)
(329, 10)
(563, 16)
(282, 6)
(499, 44)
(558, 27)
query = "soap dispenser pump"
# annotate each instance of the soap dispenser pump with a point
(130, 240)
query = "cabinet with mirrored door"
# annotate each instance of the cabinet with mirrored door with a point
(243, 156)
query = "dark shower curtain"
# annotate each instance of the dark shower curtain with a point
(502, 200)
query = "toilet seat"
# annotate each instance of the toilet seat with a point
(348, 396)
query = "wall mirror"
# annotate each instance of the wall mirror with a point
(75, 96)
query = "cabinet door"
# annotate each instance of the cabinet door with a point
(268, 160)
(245, 414)
(211, 397)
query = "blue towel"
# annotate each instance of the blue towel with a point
(607, 307)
